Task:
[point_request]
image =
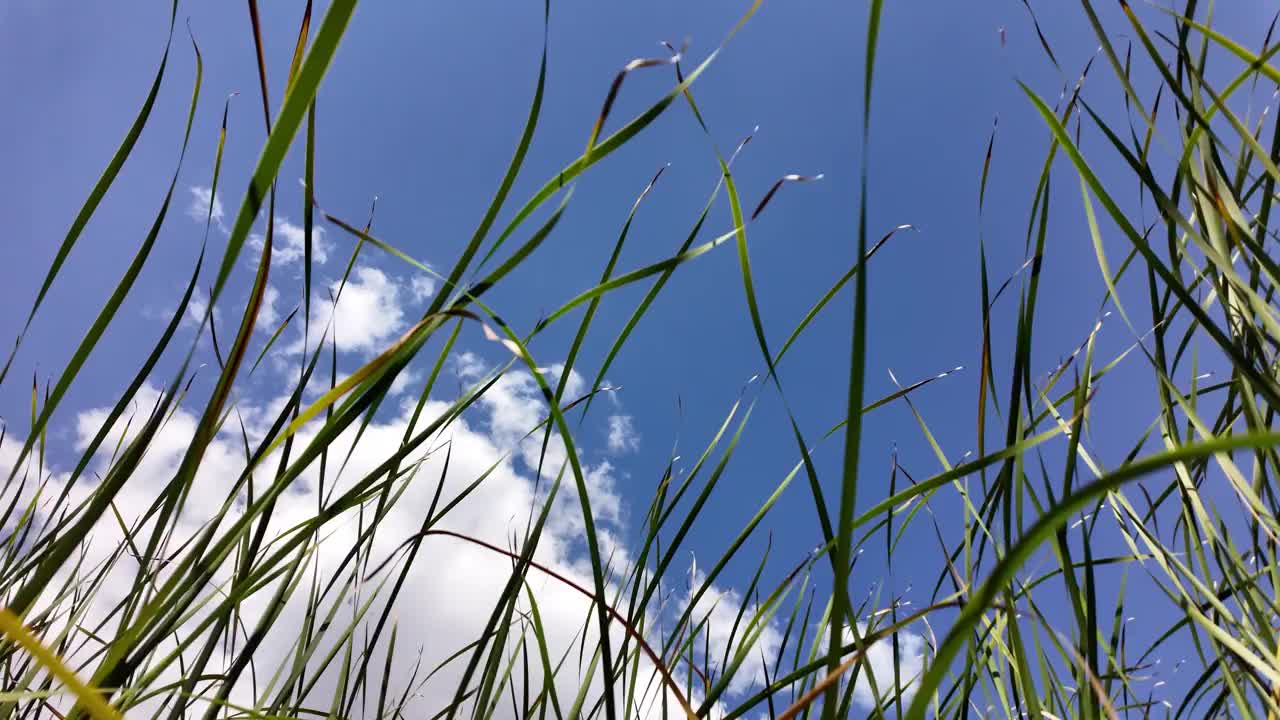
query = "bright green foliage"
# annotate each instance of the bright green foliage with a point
(187, 616)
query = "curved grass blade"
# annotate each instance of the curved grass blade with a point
(1044, 527)
(99, 191)
(13, 627)
(112, 305)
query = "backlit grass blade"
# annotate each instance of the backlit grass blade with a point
(981, 601)
(91, 698)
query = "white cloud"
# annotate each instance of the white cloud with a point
(368, 316)
(880, 665)
(516, 406)
(623, 437)
(469, 366)
(606, 503)
(404, 381)
(198, 210)
(268, 314)
(289, 243)
(444, 615)
(435, 617)
(197, 306)
(720, 608)
(423, 287)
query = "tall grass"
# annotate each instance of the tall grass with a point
(252, 610)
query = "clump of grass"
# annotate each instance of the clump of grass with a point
(176, 619)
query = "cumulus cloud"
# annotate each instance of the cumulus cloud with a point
(623, 437)
(720, 607)
(197, 307)
(368, 316)
(880, 665)
(288, 248)
(422, 287)
(406, 379)
(453, 583)
(288, 244)
(198, 209)
(269, 315)
(469, 365)
(516, 406)
(450, 587)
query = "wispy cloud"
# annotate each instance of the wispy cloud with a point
(269, 314)
(289, 243)
(623, 437)
(422, 287)
(198, 209)
(197, 307)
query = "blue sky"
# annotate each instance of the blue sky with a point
(423, 107)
